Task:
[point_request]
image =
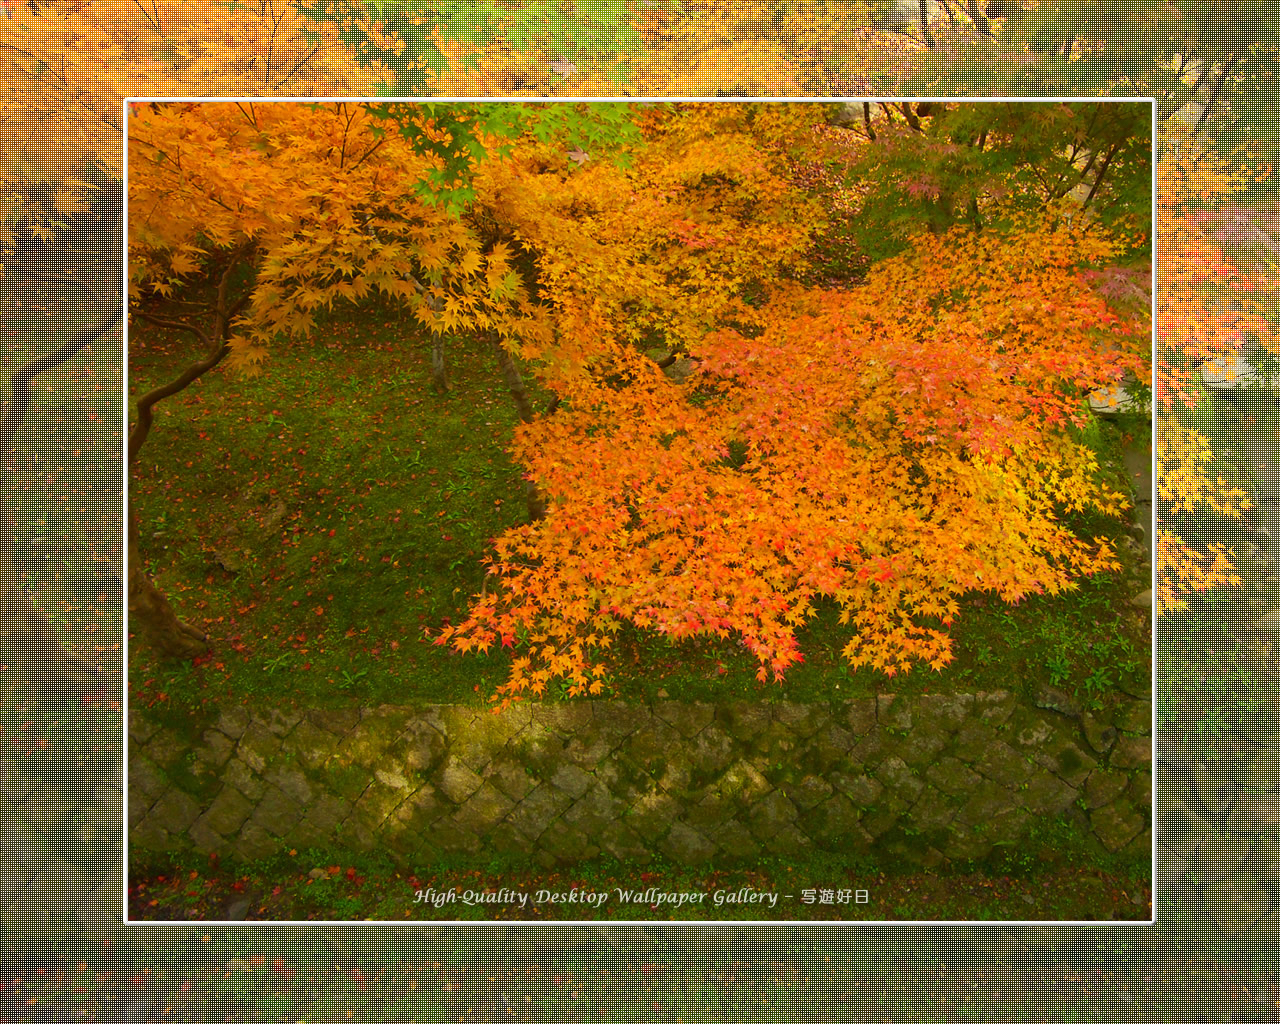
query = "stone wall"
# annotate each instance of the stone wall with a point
(929, 779)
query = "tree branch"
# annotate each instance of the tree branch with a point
(1227, 68)
(216, 349)
(1102, 173)
(148, 401)
(173, 325)
(16, 413)
(924, 25)
(511, 375)
(980, 19)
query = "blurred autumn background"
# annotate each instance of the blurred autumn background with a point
(68, 65)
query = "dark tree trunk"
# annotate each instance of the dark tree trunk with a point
(1102, 173)
(979, 18)
(975, 216)
(536, 503)
(924, 23)
(151, 616)
(512, 378)
(912, 120)
(439, 378)
(16, 411)
(1227, 68)
(29, 646)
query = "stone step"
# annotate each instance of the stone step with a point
(1232, 373)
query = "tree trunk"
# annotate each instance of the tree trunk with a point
(924, 23)
(534, 500)
(150, 614)
(512, 378)
(439, 378)
(151, 617)
(29, 646)
(1227, 68)
(16, 411)
(979, 18)
(1102, 173)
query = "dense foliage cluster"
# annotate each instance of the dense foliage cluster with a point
(728, 444)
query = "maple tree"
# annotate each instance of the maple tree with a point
(369, 215)
(477, 218)
(422, 41)
(139, 56)
(960, 377)
(1212, 68)
(66, 65)
(890, 447)
(290, 208)
(1209, 65)
(388, 221)
(248, 180)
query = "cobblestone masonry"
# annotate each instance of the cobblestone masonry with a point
(929, 780)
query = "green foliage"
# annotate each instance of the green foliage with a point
(984, 164)
(458, 136)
